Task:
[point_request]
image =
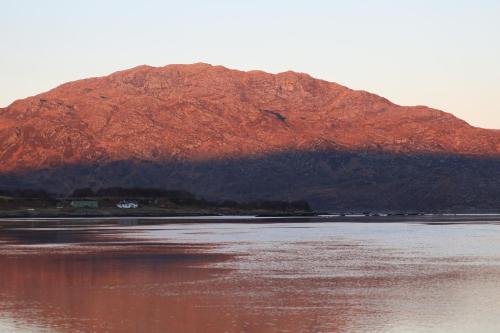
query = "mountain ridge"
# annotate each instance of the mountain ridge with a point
(203, 112)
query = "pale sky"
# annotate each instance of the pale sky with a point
(442, 53)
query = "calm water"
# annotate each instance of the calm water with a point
(285, 275)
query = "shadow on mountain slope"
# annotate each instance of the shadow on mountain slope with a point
(329, 180)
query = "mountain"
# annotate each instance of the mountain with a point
(200, 127)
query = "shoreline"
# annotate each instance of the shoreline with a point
(90, 213)
(138, 219)
(225, 213)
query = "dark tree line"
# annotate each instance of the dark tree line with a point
(178, 197)
(299, 205)
(185, 198)
(27, 194)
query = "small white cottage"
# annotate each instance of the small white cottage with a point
(127, 204)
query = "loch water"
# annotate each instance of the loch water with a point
(240, 274)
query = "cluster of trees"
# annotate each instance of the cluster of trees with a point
(185, 198)
(299, 205)
(177, 197)
(27, 194)
(155, 195)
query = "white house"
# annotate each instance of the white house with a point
(126, 204)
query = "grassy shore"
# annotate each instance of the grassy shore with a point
(144, 212)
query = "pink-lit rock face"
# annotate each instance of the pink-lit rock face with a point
(199, 112)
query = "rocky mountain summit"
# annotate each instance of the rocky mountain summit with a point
(200, 112)
(202, 115)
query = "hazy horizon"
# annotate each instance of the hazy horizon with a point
(442, 55)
